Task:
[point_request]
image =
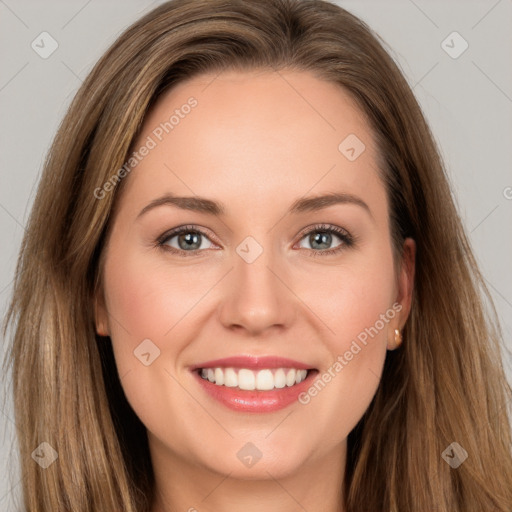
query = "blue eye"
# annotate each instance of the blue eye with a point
(323, 235)
(189, 240)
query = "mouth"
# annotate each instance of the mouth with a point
(254, 384)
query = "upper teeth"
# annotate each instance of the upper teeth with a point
(262, 380)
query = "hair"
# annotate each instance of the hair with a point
(445, 383)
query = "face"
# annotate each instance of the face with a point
(252, 320)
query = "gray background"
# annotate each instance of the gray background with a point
(467, 100)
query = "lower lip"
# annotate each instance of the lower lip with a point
(256, 401)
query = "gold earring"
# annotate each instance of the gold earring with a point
(398, 337)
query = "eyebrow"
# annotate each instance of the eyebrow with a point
(301, 205)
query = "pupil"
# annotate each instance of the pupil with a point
(324, 238)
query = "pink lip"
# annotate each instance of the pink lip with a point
(255, 401)
(253, 362)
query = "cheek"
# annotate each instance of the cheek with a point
(146, 298)
(138, 300)
(145, 303)
(351, 298)
(357, 314)
(356, 303)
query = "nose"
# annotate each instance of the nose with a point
(257, 297)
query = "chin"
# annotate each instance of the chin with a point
(257, 461)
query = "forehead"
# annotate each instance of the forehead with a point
(258, 134)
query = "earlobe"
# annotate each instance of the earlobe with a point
(395, 340)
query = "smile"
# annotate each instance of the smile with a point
(261, 380)
(256, 384)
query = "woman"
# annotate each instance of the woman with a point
(178, 347)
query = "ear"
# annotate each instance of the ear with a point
(405, 291)
(100, 314)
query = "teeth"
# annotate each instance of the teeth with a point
(265, 380)
(219, 376)
(230, 378)
(290, 377)
(280, 379)
(246, 380)
(261, 380)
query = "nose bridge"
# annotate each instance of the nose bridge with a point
(256, 297)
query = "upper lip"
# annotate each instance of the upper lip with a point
(256, 362)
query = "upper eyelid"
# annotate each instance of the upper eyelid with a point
(327, 227)
(179, 229)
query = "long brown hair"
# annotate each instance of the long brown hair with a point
(446, 382)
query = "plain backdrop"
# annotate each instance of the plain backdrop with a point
(466, 97)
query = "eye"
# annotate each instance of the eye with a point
(320, 238)
(189, 240)
(185, 239)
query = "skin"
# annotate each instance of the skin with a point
(256, 141)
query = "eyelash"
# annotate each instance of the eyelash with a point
(346, 238)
